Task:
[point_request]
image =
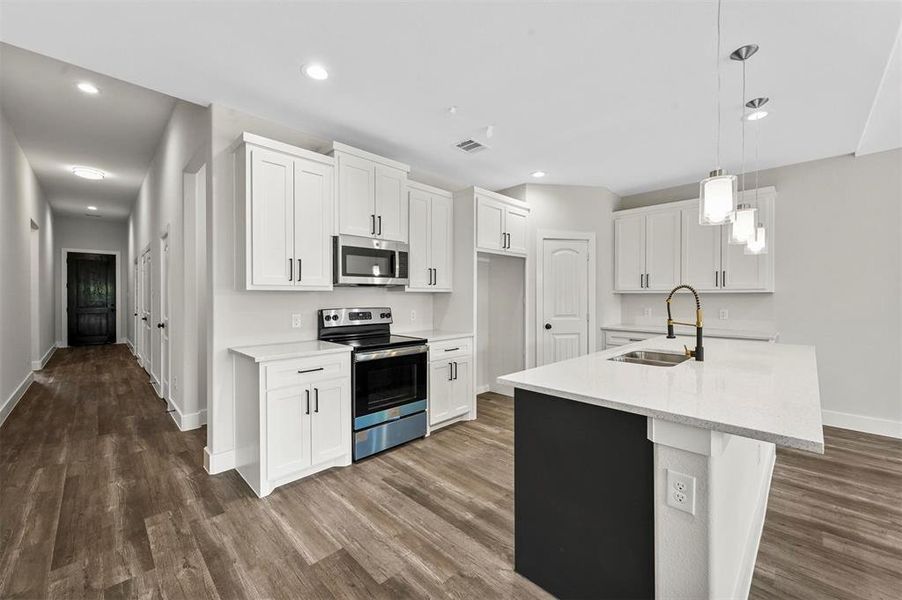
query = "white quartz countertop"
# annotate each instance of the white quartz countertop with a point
(741, 334)
(283, 350)
(436, 335)
(766, 392)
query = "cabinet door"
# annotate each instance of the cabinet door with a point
(629, 253)
(461, 387)
(515, 225)
(391, 203)
(272, 217)
(356, 196)
(489, 224)
(331, 419)
(441, 232)
(312, 224)
(701, 253)
(741, 271)
(440, 390)
(287, 431)
(662, 250)
(420, 256)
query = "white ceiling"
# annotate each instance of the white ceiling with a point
(609, 93)
(884, 126)
(58, 127)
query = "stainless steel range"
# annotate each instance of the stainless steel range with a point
(388, 377)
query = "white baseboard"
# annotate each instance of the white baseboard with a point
(864, 424)
(37, 365)
(481, 389)
(187, 422)
(218, 463)
(14, 398)
(500, 388)
(131, 347)
(753, 541)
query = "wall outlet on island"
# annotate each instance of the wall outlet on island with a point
(296, 320)
(724, 314)
(413, 315)
(681, 491)
(646, 312)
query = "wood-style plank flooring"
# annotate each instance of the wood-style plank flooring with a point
(102, 497)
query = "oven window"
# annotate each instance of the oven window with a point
(367, 262)
(389, 382)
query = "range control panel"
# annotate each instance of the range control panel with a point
(338, 317)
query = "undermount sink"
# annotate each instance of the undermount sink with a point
(652, 358)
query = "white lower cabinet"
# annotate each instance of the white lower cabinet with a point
(293, 418)
(451, 393)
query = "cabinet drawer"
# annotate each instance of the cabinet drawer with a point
(450, 348)
(305, 370)
(613, 339)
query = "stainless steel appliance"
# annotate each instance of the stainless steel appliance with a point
(367, 261)
(388, 377)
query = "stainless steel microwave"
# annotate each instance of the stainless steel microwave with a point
(367, 261)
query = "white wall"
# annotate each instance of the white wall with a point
(241, 317)
(21, 203)
(158, 207)
(838, 281)
(500, 296)
(86, 233)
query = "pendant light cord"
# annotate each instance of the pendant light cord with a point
(742, 124)
(757, 146)
(717, 71)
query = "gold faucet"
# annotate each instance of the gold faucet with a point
(699, 352)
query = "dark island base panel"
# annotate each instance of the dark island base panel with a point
(583, 499)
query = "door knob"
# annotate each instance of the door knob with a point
(547, 325)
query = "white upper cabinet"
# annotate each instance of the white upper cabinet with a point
(285, 206)
(502, 224)
(657, 248)
(372, 194)
(431, 239)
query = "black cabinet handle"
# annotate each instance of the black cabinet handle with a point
(311, 370)
(641, 280)
(455, 370)
(723, 278)
(315, 399)
(452, 349)
(308, 401)
(299, 269)
(373, 224)
(647, 279)
(380, 224)
(716, 278)
(450, 371)
(290, 270)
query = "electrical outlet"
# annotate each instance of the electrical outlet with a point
(413, 316)
(724, 314)
(681, 491)
(646, 312)
(295, 321)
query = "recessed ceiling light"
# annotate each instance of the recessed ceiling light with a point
(88, 88)
(538, 174)
(92, 208)
(88, 173)
(756, 115)
(317, 72)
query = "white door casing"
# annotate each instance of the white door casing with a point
(164, 323)
(146, 317)
(565, 299)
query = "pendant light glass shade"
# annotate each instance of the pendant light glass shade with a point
(744, 221)
(717, 199)
(757, 244)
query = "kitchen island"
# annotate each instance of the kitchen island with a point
(640, 481)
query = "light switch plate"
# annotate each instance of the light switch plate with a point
(681, 491)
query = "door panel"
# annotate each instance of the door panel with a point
(662, 250)
(356, 195)
(565, 299)
(442, 234)
(287, 431)
(330, 422)
(515, 225)
(391, 203)
(440, 389)
(420, 256)
(701, 252)
(91, 304)
(461, 387)
(489, 224)
(629, 253)
(312, 223)
(146, 318)
(272, 215)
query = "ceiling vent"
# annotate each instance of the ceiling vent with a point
(93, 216)
(471, 146)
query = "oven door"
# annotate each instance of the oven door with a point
(389, 384)
(365, 261)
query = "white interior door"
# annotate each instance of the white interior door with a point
(312, 224)
(662, 250)
(139, 309)
(146, 317)
(629, 253)
(565, 299)
(391, 203)
(163, 325)
(515, 221)
(701, 252)
(272, 217)
(419, 256)
(441, 224)
(356, 196)
(489, 224)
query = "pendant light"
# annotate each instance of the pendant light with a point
(746, 216)
(758, 243)
(717, 192)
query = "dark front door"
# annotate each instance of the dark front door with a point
(91, 298)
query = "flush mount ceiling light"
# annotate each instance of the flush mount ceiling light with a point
(717, 192)
(88, 173)
(316, 71)
(538, 174)
(92, 208)
(88, 88)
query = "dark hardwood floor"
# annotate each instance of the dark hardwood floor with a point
(101, 496)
